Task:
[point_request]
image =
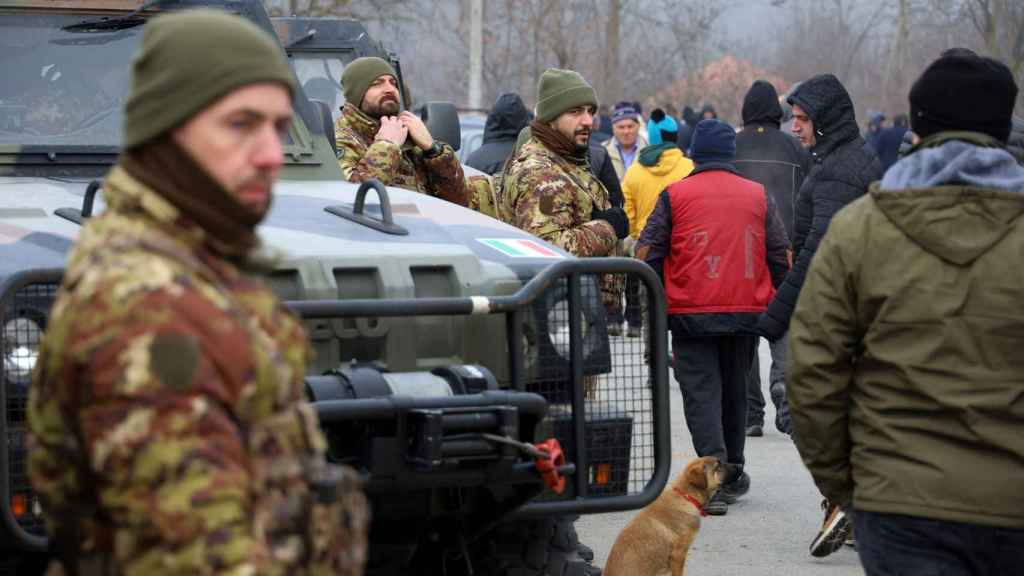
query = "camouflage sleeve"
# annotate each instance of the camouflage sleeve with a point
(446, 177)
(480, 190)
(543, 207)
(358, 163)
(158, 427)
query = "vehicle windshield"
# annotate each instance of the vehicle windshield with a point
(61, 87)
(320, 76)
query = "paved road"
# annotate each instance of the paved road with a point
(765, 533)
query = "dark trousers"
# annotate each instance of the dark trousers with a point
(712, 375)
(776, 385)
(891, 545)
(634, 306)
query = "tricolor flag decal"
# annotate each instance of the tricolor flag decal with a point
(520, 248)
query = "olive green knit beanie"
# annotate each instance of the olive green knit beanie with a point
(360, 73)
(190, 58)
(560, 90)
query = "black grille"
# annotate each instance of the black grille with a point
(619, 430)
(23, 321)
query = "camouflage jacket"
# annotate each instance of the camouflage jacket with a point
(553, 198)
(167, 424)
(362, 158)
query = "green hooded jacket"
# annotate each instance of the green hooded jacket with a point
(906, 375)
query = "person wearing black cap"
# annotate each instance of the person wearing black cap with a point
(720, 247)
(776, 160)
(905, 367)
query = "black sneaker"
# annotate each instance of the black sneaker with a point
(585, 552)
(755, 430)
(717, 506)
(614, 329)
(731, 491)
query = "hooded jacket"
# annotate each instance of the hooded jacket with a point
(905, 367)
(506, 119)
(843, 167)
(655, 168)
(768, 156)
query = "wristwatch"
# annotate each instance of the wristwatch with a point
(434, 150)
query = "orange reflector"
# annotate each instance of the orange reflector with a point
(18, 505)
(603, 475)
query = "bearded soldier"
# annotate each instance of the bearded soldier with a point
(548, 189)
(377, 140)
(168, 427)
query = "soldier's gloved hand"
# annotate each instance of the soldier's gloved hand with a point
(616, 217)
(392, 129)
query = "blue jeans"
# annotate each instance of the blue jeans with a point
(894, 545)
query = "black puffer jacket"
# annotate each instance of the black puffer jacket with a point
(506, 119)
(844, 165)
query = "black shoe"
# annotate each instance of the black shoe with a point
(585, 552)
(731, 491)
(755, 430)
(614, 329)
(633, 332)
(717, 506)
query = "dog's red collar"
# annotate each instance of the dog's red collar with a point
(691, 500)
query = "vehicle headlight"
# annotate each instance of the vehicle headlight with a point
(558, 327)
(21, 347)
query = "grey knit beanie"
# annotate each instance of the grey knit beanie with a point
(190, 58)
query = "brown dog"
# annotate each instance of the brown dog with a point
(656, 540)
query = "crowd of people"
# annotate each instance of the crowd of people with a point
(886, 288)
(878, 261)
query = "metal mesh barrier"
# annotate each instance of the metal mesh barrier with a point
(23, 322)
(618, 396)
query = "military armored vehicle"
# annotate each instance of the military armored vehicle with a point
(448, 345)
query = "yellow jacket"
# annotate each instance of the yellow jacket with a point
(643, 184)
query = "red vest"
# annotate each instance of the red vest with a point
(716, 262)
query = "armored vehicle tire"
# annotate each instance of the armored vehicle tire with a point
(535, 547)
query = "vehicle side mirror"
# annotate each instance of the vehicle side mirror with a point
(442, 120)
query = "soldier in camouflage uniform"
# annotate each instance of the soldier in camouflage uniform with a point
(169, 434)
(547, 188)
(376, 140)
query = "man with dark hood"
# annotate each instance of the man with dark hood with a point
(718, 242)
(506, 119)
(905, 367)
(775, 160)
(377, 139)
(169, 429)
(844, 166)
